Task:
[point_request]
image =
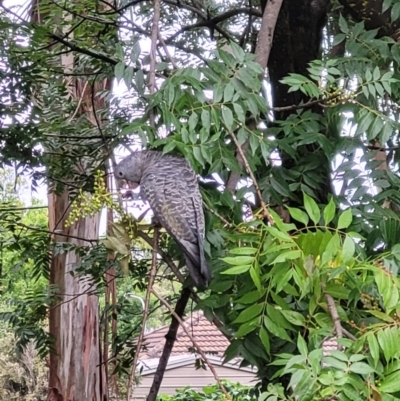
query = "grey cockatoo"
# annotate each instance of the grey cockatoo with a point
(170, 186)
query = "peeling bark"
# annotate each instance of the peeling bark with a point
(76, 369)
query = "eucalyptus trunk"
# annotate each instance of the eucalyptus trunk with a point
(77, 371)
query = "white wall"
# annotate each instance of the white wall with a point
(190, 376)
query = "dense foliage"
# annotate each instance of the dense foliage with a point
(210, 393)
(328, 265)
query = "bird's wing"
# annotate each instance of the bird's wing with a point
(177, 207)
(173, 206)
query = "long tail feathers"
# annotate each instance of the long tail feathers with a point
(196, 262)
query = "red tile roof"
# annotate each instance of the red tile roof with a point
(206, 335)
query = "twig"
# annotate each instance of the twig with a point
(169, 344)
(55, 232)
(304, 105)
(167, 259)
(164, 256)
(263, 50)
(266, 213)
(153, 49)
(222, 218)
(145, 312)
(165, 47)
(199, 350)
(335, 317)
(348, 334)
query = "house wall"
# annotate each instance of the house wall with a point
(190, 376)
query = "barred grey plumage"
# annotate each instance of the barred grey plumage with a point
(170, 186)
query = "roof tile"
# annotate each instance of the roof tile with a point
(207, 336)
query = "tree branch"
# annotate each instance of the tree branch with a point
(335, 317)
(263, 50)
(199, 350)
(167, 259)
(82, 50)
(153, 59)
(213, 22)
(145, 312)
(266, 214)
(169, 344)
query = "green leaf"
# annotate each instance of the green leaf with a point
(289, 255)
(244, 251)
(237, 270)
(293, 317)
(198, 156)
(391, 383)
(237, 51)
(298, 215)
(349, 248)
(373, 347)
(251, 297)
(135, 51)
(238, 260)
(388, 342)
(343, 24)
(345, 219)
(330, 361)
(249, 313)
(301, 345)
(329, 211)
(227, 117)
(228, 92)
(206, 119)
(255, 275)
(386, 5)
(276, 330)
(119, 70)
(312, 208)
(337, 290)
(239, 113)
(361, 368)
(264, 337)
(382, 316)
(279, 234)
(246, 328)
(193, 120)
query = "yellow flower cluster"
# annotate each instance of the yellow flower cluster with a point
(87, 205)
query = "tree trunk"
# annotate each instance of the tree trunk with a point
(75, 366)
(76, 369)
(297, 41)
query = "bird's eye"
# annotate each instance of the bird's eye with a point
(120, 173)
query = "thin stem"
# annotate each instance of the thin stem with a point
(170, 339)
(199, 350)
(145, 313)
(335, 317)
(266, 213)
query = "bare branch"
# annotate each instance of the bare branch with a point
(145, 312)
(222, 218)
(56, 232)
(199, 350)
(168, 54)
(169, 344)
(304, 105)
(335, 317)
(164, 256)
(167, 259)
(266, 214)
(213, 22)
(263, 50)
(154, 37)
(82, 50)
